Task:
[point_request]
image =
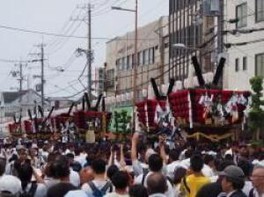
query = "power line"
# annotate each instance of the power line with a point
(12, 61)
(228, 45)
(56, 34)
(63, 29)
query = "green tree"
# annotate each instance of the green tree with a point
(256, 113)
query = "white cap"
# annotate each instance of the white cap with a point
(34, 146)
(10, 184)
(20, 147)
(149, 152)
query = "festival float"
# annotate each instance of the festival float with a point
(74, 125)
(92, 123)
(202, 112)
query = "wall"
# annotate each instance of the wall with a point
(240, 79)
(118, 49)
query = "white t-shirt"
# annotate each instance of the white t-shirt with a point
(75, 178)
(207, 171)
(138, 167)
(81, 159)
(171, 168)
(41, 190)
(247, 187)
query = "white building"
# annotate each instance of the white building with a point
(246, 58)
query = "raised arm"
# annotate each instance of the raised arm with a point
(134, 143)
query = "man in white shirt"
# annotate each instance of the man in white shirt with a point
(99, 182)
(257, 178)
(173, 162)
(155, 166)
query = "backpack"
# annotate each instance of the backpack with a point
(30, 192)
(100, 192)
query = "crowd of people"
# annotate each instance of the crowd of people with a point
(134, 168)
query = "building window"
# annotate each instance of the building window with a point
(118, 64)
(128, 63)
(151, 55)
(244, 63)
(123, 63)
(110, 78)
(140, 59)
(260, 65)
(237, 65)
(133, 60)
(259, 10)
(241, 15)
(146, 57)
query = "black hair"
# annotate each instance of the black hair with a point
(237, 184)
(179, 173)
(98, 166)
(196, 163)
(60, 167)
(156, 183)
(76, 166)
(223, 164)
(188, 153)
(2, 166)
(174, 154)
(120, 180)
(246, 166)
(111, 171)
(14, 157)
(138, 190)
(208, 159)
(155, 163)
(60, 189)
(70, 155)
(229, 157)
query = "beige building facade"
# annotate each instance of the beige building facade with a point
(152, 61)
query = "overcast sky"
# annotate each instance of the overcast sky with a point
(60, 17)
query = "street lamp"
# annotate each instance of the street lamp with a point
(183, 46)
(135, 57)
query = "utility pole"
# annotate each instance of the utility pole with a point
(89, 51)
(20, 79)
(135, 65)
(42, 75)
(220, 27)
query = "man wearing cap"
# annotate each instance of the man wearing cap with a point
(233, 181)
(22, 156)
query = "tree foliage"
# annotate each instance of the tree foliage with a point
(256, 113)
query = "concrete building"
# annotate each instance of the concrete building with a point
(152, 60)
(13, 102)
(194, 25)
(244, 42)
